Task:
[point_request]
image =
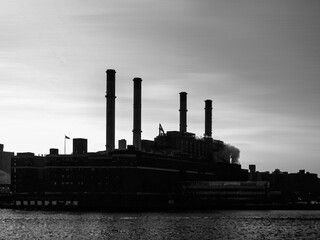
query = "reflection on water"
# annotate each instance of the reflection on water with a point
(194, 225)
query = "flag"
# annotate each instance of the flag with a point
(161, 131)
(66, 137)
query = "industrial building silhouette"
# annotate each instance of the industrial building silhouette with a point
(176, 170)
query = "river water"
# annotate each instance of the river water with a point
(18, 224)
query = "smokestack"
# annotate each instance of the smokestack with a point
(110, 96)
(208, 118)
(137, 113)
(183, 112)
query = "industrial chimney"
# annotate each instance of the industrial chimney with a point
(137, 113)
(110, 97)
(208, 118)
(183, 112)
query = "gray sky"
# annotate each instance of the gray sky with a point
(259, 61)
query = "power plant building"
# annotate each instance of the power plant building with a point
(149, 174)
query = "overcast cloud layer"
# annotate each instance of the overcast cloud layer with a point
(259, 61)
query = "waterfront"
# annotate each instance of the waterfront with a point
(17, 224)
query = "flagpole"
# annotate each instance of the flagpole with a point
(65, 139)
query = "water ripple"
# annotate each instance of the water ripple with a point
(193, 225)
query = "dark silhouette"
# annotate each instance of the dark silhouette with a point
(110, 96)
(183, 112)
(176, 170)
(137, 113)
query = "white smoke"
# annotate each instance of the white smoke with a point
(229, 154)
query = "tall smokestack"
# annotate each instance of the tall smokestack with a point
(137, 113)
(110, 96)
(208, 118)
(183, 112)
